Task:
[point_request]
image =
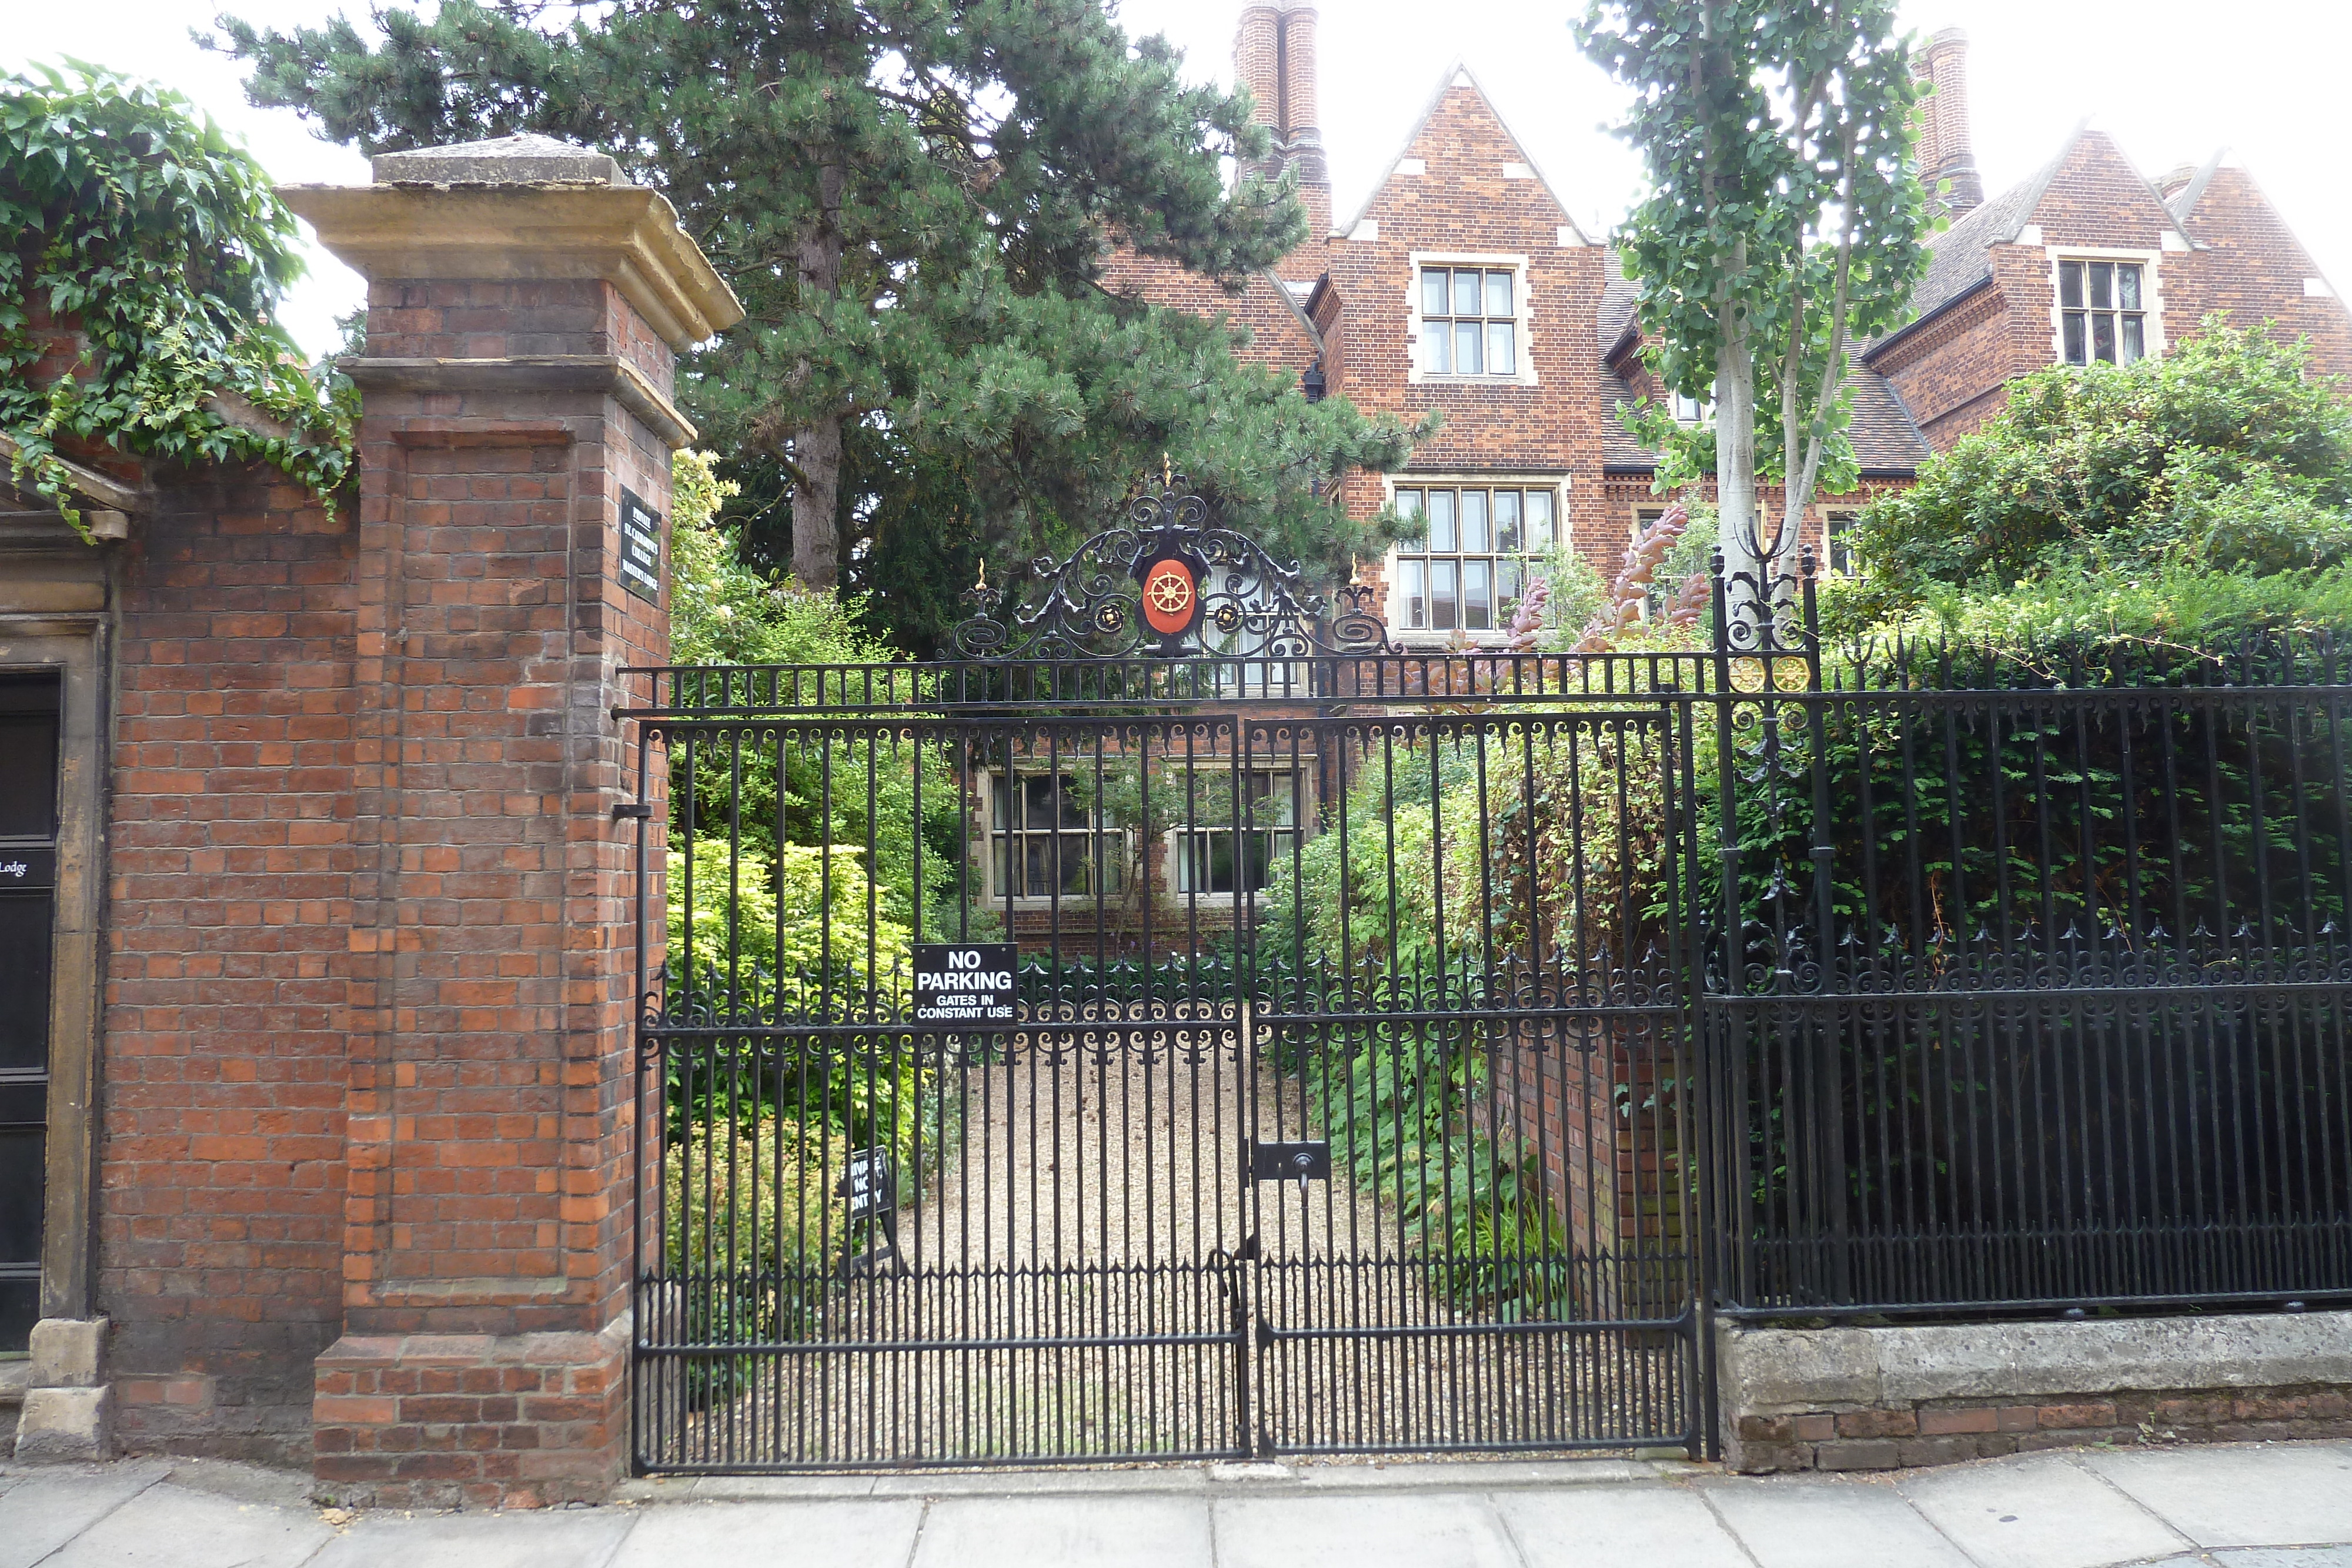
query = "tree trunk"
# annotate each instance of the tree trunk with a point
(816, 444)
(1739, 527)
(816, 505)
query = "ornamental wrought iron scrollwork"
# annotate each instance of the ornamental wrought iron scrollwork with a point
(1762, 608)
(1117, 596)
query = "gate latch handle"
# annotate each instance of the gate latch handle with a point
(1298, 1161)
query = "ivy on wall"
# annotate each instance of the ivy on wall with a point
(134, 219)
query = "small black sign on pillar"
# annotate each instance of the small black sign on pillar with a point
(966, 983)
(640, 560)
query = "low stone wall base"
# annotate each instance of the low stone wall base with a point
(1883, 1398)
(472, 1420)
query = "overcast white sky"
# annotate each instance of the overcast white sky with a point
(2169, 79)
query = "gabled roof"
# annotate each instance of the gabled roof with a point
(1960, 258)
(2184, 201)
(1457, 73)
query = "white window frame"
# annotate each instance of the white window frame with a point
(1831, 565)
(996, 870)
(1210, 772)
(2151, 296)
(1301, 827)
(1521, 305)
(1563, 534)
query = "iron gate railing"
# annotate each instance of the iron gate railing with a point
(1408, 1051)
(1246, 936)
(2032, 988)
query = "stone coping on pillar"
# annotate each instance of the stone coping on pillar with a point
(623, 233)
(531, 373)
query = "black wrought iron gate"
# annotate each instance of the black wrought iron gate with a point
(1206, 1032)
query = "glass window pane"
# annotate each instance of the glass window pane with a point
(1509, 576)
(29, 773)
(2075, 354)
(1434, 289)
(2070, 283)
(1539, 531)
(25, 920)
(2103, 285)
(2135, 347)
(1437, 348)
(2103, 337)
(1477, 595)
(1465, 294)
(2127, 287)
(1441, 522)
(1416, 593)
(1474, 536)
(1408, 505)
(1467, 361)
(1506, 521)
(1502, 358)
(1444, 596)
(1498, 294)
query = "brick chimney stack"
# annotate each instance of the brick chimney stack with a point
(1274, 57)
(1946, 151)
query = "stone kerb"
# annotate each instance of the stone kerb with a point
(526, 308)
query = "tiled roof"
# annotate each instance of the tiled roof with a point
(1885, 441)
(1617, 299)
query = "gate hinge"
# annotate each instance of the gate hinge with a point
(631, 811)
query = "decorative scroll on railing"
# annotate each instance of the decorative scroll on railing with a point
(1166, 582)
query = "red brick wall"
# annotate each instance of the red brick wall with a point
(366, 1055)
(1462, 205)
(1953, 373)
(2254, 269)
(222, 1111)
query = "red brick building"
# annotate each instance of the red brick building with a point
(1463, 285)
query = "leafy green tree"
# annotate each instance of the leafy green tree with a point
(913, 199)
(1782, 225)
(2184, 496)
(133, 217)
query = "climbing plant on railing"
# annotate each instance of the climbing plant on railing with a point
(134, 222)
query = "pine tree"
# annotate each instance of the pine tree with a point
(913, 199)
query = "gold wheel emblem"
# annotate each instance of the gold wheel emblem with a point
(1168, 598)
(1171, 593)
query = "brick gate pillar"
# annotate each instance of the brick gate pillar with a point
(525, 309)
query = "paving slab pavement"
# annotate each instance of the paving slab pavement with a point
(2252, 1494)
(1368, 1529)
(170, 1526)
(2283, 1505)
(1146, 1532)
(1607, 1527)
(1828, 1521)
(2044, 1511)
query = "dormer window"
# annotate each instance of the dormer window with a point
(1469, 321)
(2102, 314)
